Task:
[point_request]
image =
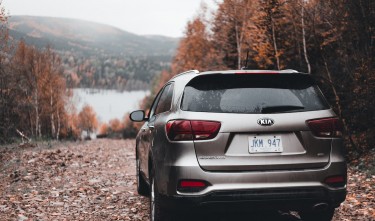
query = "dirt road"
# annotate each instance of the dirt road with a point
(95, 180)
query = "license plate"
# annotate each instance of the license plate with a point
(265, 144)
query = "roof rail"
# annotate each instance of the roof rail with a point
(186, 72)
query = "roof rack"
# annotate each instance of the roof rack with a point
(186, 72)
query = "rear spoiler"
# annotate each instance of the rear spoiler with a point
(257, 78)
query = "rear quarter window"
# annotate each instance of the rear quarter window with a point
(165, 101)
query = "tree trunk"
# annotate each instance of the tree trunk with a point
(2, 102)
(53, 129)
(304, 37)
(275, 44)
(31, 123)
(298, 45)
(58, 125)
(337, 100)
(238, 43)
(36, 107)
(240, 29)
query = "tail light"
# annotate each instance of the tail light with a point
(326, 127)
(178, 130)
(192, 185)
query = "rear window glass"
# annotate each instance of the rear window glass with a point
(252, 94)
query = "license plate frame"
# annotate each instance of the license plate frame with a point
(265, 144)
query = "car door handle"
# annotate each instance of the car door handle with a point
(151, 127)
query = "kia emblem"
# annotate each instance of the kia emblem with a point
(265, 122)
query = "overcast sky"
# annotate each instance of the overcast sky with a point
(144, 17)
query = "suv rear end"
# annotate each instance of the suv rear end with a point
(249, 139)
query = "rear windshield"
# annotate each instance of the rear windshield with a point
(252, 94)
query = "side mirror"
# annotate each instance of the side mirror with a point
(137, 116)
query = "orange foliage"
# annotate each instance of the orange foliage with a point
(72, 130)
(38, 93)
(194, 51)
(103, 129)
(115, 125)
(333, 40)
(87, 119)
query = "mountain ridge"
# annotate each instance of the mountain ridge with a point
(95, 55)
(88, 36)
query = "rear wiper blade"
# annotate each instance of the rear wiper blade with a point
(282, 108)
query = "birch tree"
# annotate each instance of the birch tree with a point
(87, 119)
(231, 27)
(304, 36)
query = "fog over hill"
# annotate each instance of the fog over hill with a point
(87, 37)
(96, 55)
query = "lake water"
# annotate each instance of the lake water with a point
(108, 104)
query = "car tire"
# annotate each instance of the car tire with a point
(326, 215)
(142, 186)
(157, 212)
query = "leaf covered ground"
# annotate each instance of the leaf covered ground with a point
(95, 180)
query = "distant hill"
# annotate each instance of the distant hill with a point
(87, 37)
(95, 55)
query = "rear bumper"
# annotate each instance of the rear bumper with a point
(255, 199)
(300, 189)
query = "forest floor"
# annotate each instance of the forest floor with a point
(95, 180)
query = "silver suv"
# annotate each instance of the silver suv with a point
(243, 140)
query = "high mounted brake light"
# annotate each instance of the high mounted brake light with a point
(258, 72)
(287, 71)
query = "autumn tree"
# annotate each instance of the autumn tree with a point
(55, 94)
(71, 128)
(40, 91)
(234, 31)
(277, 21)
(6, 100)
(87, 120)
(332, 40)
(27, 64)
(195, 50)
(304, 36)
(103, 129)
(115, 125)
(3, 29)
(345, 53)
(227, 30)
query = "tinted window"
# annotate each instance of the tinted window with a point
(153, 106)
(165, 100)
(252, 94)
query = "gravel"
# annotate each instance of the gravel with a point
(95, 180)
